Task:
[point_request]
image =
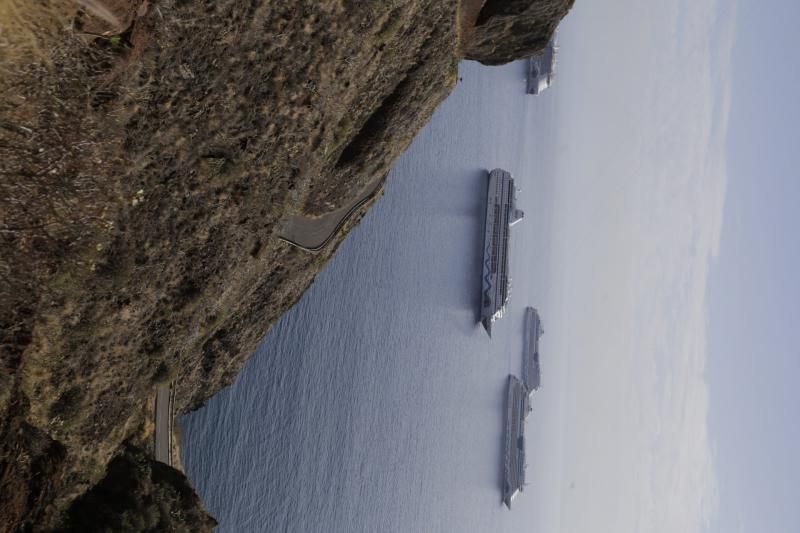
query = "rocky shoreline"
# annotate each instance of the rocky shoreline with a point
(147, 164)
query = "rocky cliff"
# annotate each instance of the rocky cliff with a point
(150, 149)
(505, 30)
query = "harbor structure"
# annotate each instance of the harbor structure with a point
(501, 214)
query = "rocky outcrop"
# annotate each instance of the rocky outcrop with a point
(506, 30)
(136, 495)
(144, 178)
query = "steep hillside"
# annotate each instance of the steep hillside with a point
(150, 150)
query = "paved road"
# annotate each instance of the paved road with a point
(163, 431)
(313, 233)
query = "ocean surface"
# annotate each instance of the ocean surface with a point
(377, 402)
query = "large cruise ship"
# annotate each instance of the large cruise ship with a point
(542, 68)
(501, 214)
(514, 466)
(530, 359)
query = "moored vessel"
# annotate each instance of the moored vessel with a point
(514, 465)
(531, 372)
(501, 214)
(542, 68)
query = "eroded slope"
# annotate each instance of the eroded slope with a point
(145, 173)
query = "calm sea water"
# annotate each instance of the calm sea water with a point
(377, 402)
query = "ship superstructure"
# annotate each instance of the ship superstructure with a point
(501, 214)
(542, 68)
(531, 374)
(514, 466)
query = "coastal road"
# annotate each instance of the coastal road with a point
(313, 233)
(163, 430)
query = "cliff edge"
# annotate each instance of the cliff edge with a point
(506, 30)
(150, 150)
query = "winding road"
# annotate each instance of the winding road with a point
(313, 233)
(162, 435)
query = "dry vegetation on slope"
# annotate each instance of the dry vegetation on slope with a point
(147, 159)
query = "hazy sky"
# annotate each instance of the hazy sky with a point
(754, 291)
(677, 208)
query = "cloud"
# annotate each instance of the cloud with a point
(652, 137)
(681, 218)
(676, 489)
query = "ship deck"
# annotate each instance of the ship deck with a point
(515, 454)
